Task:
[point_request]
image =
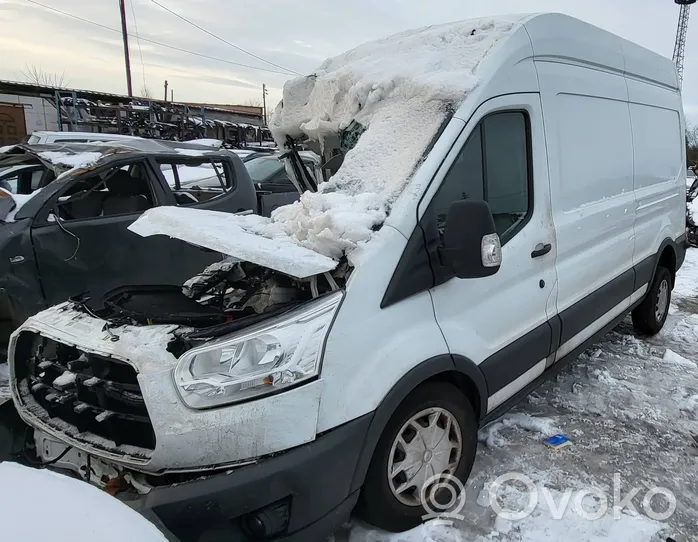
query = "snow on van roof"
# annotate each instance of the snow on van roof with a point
(400, 89)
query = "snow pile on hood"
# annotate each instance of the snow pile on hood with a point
(246, 237)
(29, 494)
(77, 160)
(401, 89)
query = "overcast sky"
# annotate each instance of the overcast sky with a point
(295, 35)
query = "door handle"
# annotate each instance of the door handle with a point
(541, 250)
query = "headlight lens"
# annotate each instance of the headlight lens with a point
(259, 360)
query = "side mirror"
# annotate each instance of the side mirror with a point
(471, 245)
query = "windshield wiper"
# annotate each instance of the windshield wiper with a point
(303, 180)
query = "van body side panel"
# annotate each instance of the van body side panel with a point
(591, 176)
(659, 165)
(369, 349)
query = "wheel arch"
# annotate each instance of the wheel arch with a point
(666, 257)
(456, 370)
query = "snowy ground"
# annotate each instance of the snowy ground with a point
(630, 404)
(70, 510)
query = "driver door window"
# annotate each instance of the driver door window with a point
(494, 166)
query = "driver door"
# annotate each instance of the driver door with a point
(81, 240)
(505, 323)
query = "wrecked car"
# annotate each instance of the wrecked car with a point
(345, 355)
(66, 209)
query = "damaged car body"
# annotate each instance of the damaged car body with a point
(64, 222)
(343, 356)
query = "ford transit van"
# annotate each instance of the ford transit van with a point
(501, 193)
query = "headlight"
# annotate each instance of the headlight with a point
(262, 359)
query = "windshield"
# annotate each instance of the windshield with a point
(33, 140)
(263, 167)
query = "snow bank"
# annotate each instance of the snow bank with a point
(400, 89)
(77, 160)
(542, 523)
(433, 531)
(672, 357)
(490, 435)
(69, 510)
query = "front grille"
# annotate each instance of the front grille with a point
(96, 394)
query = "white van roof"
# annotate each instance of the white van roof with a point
(564, 38)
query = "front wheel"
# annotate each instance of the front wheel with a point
(650, 315)
(431, 435)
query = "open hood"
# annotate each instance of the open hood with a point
(234, 235)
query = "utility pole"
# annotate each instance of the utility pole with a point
(264, 101)
(172, 95)
(682, 29)
(165, 89)
(124, 31)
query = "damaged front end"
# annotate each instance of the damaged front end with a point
(131, 384)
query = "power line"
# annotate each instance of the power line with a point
(154, 42)
(221, 39)
(138, 40)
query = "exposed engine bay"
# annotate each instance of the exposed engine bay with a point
(226, 296)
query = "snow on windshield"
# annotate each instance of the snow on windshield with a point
(399, 88)
(263, 167)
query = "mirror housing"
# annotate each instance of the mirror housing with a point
(471, 246)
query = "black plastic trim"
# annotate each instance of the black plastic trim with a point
(413, 272)
(316, 477)
(554, 369)
(424, 371)
(680, 250)
(644, 271)
(474, 373)
(595, 305)
(509, 363)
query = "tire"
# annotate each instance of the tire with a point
(649, 316)
(378, 504)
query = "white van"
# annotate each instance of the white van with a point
(504, 192)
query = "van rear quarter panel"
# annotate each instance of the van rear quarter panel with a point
(590, 155)
(659, 165)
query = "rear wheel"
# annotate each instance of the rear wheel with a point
(650, 315)
(432, 435)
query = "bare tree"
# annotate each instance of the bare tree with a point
(691, 144)
(253, 102)
(145, 92)
(38, 76)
